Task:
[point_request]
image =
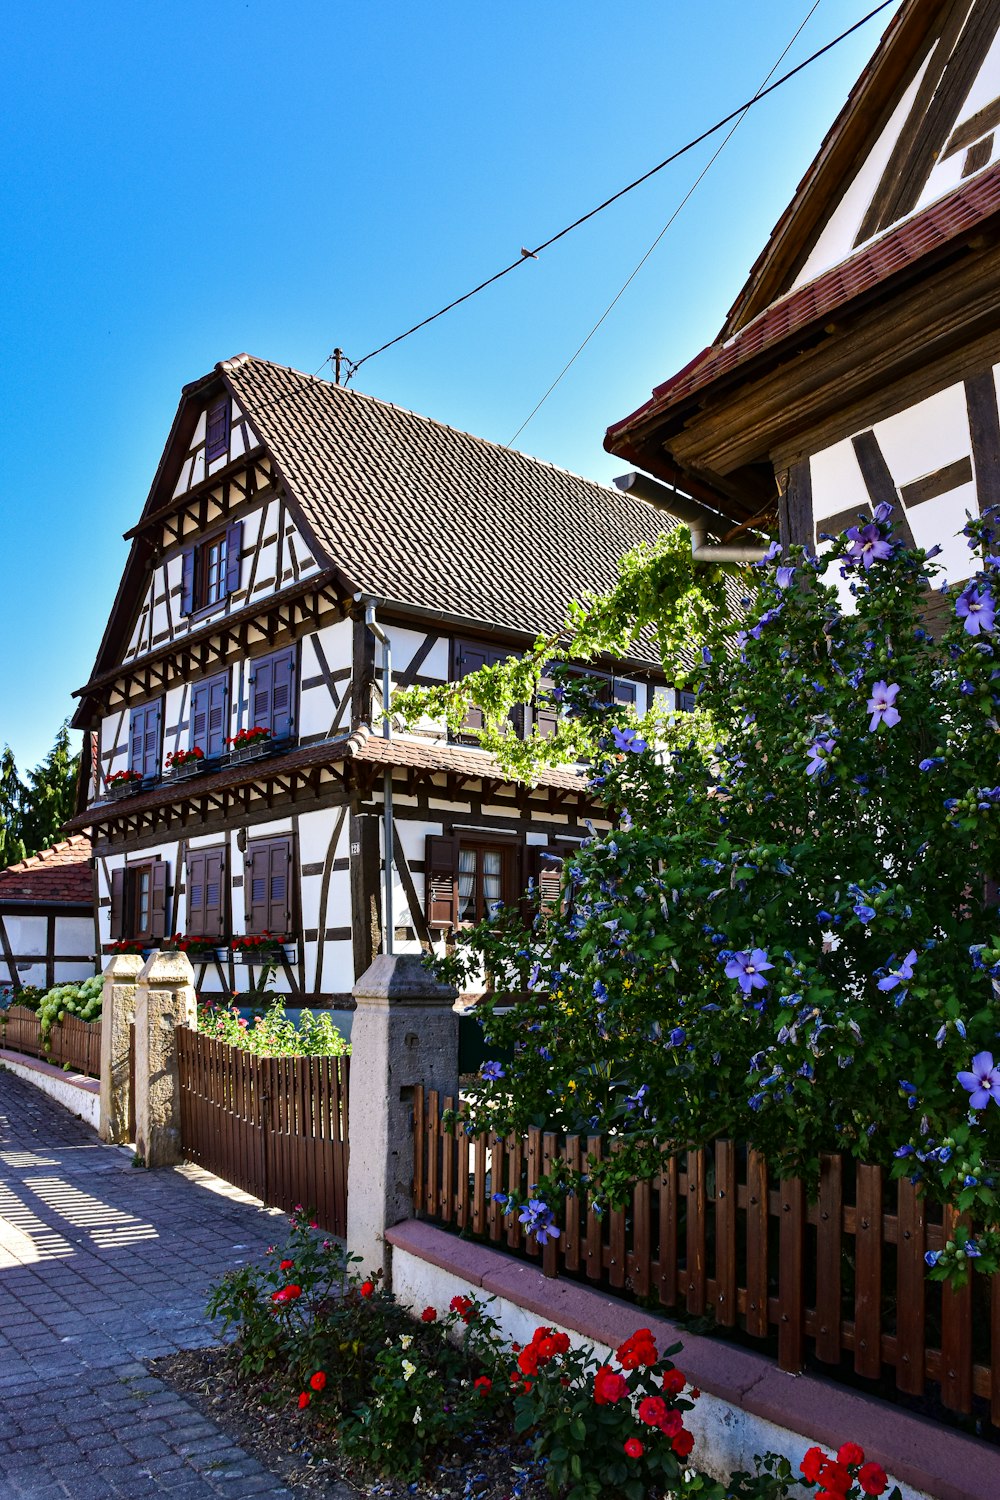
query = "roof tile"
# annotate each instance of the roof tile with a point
(60, 875)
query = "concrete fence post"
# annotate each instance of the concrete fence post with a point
(117, 1015)
(404, 1037)
(165, 999)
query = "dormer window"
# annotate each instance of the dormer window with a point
(217, 431)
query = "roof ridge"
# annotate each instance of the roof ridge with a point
(239, 361)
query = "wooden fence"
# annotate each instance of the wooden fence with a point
(841, 1280)
(72, 1041)
(274, 1126)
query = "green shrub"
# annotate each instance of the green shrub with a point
(273, 1034)
(82, 1000)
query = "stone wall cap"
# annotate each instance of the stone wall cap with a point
(402, 979)
(123, 967)
(167, 968)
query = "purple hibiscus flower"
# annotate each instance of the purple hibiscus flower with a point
(882, 705)
(783, 577)
(818, 751)
(975, 606)
(901, 974)
(983, 1082)
(868, 545)
(629, 739)
(749, 968)
(491, 1071)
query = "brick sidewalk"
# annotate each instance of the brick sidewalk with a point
(104, 1266)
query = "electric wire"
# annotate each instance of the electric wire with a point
(687, 197)
(353, 366)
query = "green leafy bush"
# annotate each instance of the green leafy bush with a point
(274, 1034)
(82, 1000)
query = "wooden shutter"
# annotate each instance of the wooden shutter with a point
(261, 678)
(214, 907)
(546, 872)
(234, 549)
(118, 903)
(283, 693)
(441, 882)
(255, 876)
(136, 739)
(279, 887)
(158, 901)
(199, 717)
(218, 714)
(217, 431)
(187, 582)
(195, 924)
(546, 716)
(470, 658)
(151, 740)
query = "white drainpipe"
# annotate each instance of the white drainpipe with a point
(701, 522)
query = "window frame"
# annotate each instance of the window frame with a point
(127, 901)
(268, 660)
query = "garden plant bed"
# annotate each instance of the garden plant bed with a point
(296, 1451)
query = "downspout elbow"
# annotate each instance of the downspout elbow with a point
(733, 552)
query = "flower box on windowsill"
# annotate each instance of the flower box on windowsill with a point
(117, 790)
(252, 750)
(260, 957)
(188, 769)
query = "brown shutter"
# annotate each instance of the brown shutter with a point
(214, 908)
(255, 885)
(136, 739)
(546, 716)
(283, 693)
(234, 556)
(261, 674)
(470, 658)
(158, 901)
(151, 739)
(279, 889)
(118, 903)
(441, 882)
(195, 925)
(187, 582)
(546, 872)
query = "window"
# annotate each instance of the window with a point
(139, 901)
(687, 702)
(144, 739)
(272, 693)
(466, 874)
(217, 431)
(210, 715)
(269, 886)
(210, 571)
(206, 887)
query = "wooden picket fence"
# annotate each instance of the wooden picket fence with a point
(72, 1041)
(841, 1280)
(274, 1126)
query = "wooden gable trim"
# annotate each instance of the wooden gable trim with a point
(223, 480)
(852, 135)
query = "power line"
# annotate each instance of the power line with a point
(687, 196)
(531, 254)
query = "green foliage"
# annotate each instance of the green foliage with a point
(82, 1000)
(273, 1034)
(787, 937)
(32, 815)
(29, 995)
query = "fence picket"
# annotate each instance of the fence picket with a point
(956, 1336)
(911, 1273)
(791, 1239)
(725, 1233)
(868, 1273)
(757, 1221)
(829, 1253)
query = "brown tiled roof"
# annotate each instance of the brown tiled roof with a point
(425, 516)
(362, 745)
(916, 238)
(58, 876)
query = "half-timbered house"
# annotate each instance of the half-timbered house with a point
(860, 361)
(47, 929)
(292, 529)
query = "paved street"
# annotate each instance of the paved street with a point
(103, 1266)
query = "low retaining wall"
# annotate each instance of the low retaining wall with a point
(748, 1406)
(73, 1091)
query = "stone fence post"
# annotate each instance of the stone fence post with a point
(165, 999)
(404, 1037)
(117, 1015)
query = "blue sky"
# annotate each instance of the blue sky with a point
(184, 182)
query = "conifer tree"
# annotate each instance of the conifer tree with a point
(50, 796)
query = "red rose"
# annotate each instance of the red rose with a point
(639, 1349)
(671, 1424)
(561, 1342)
(527, 1361)
(652, 1410)
(683, 1443)
(366, 1288)
(674, 1382)
(286, 1265)
(287, 1294)
(834, 1476)
(429, 1315)
(483, 1383)
(545, 1349)
(811, 1464)
(873, 1479)
(609, 1386)
(303, 1400)
(851, 1453)
(465, 1308)
(318, 1381)
(634, 1448)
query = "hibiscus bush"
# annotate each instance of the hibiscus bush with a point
(790, 934)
